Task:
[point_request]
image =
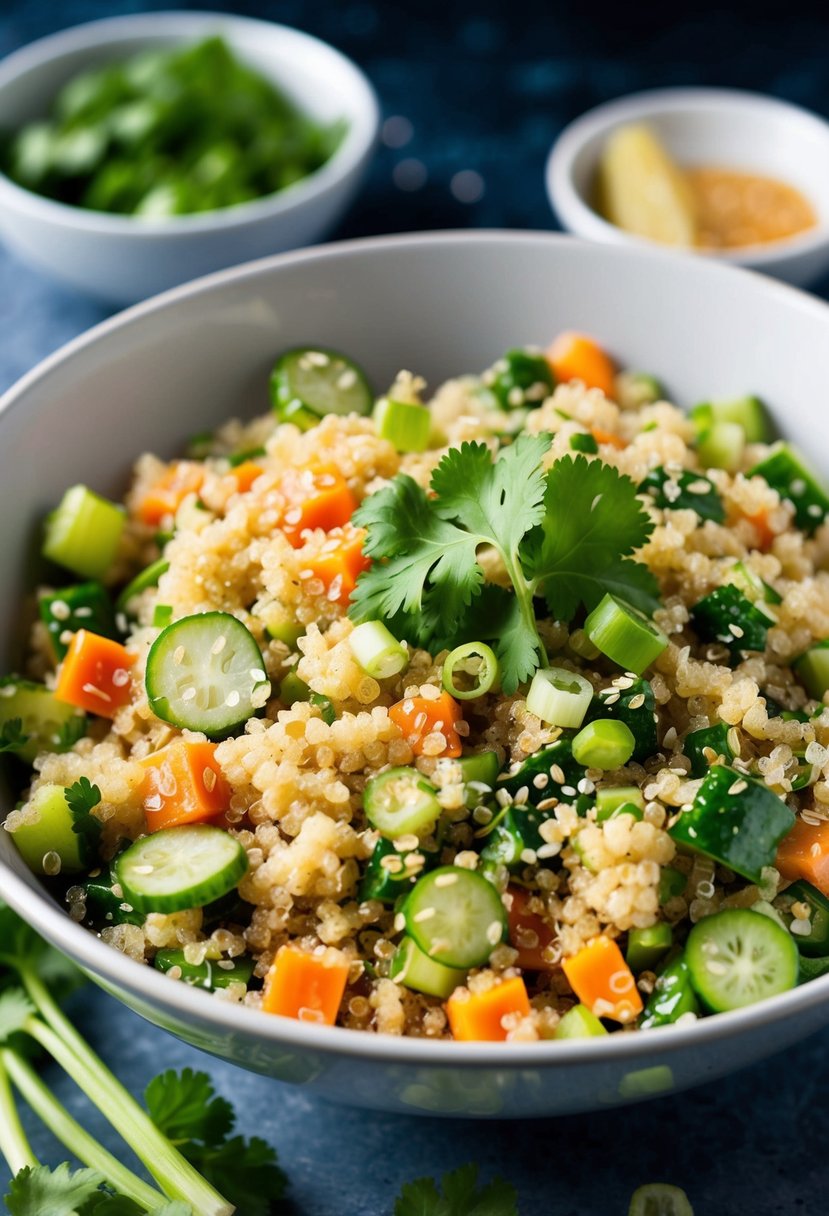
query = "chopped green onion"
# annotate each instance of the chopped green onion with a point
(476, 663)
(559, 697)
(786, 472)
(722, 446)
(377, 650)
(583, 441)
(581, 645)
(414, 969)
(406, 424)
(605, 743)
(83, 532)
(612, 799)
(401, 802)
(579, 1023)
(812, 668)
(646, 946)
(748, 413)
(625, 635)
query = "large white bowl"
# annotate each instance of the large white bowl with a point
(729, 128)
(438, 304)
(120, 258)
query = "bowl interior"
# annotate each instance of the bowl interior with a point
(161, 372)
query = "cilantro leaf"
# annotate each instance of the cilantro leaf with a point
(15, 1011)
(184, 1106)
(592, 523)
(82, 798)
(12, 736)
(59, 1192)
(461, 1196)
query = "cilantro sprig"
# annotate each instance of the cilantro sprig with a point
(567, 534)
(12, 735)
(459, 1195)
(82, 797)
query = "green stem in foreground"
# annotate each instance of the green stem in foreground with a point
(174, 1174)
(77, 1140)
(13, 1143)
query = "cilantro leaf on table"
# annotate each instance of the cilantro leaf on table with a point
(82, 798)
(592, 523)
(15, 1011)
(59, 1192)
(12, 735)
(185, 1107)
(461, 1196)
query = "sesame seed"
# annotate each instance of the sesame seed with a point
(540, 780)
(97, 692)
(423, 915)
(738, 787)
(522, 795)
(120, 677)
(557, 774)
(232, 699)
(569, 791)
(494, 932)
(612, 699)
(178, 655)
(218, 646)
(637, 702)
(737, 631)
(61, 610)
(445, 880)
(399, 922)
(209, 779)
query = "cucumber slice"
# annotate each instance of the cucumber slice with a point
(682, 492)
(728, 616)
(206, 673)
(549, 773)
(52, 833)
(401, 802)
(210, 974)
(456, 917)
(46, 725)
(738, 957)
(178, 868)
(309, 382)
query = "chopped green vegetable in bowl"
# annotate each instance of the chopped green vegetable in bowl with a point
(399, 719)
(168, 132)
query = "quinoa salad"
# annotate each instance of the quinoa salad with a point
(491, 713)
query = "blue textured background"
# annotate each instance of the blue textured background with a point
(485, 89)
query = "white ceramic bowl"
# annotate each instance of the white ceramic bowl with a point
(153, 376)
(722, 127)
(121, 259)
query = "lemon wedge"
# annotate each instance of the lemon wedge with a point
(643, 191)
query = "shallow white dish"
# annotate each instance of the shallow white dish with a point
(723, 127)
(155, 375)
(121, 259)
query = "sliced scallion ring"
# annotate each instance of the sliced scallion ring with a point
(559, 696)
(406, 424)
(377, 650)
(476, 664)
(625, 635)
(604, 743)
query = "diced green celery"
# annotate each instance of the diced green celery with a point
(625, 635)
(83, 532)
(49, 844)
(406, 424)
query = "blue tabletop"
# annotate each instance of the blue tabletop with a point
(476, 94)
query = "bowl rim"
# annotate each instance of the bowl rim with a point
(118, 32)
(582, 220)
(190, 1005)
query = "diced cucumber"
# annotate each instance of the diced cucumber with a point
(636, 707)
(148, 577)
(672, 996)
(683, 491)
(386, 879)
(583, 441)
(613, 800)
(310, 382)
(162, 616)
(211, 974)
(736, 821)
(814, 942)
(812, 669)
(579, 1023)
(105, 902)
(549, 773)
(479, 773)
(46, 725)
(456, 917)
(748, 412)
(812, 968)
(604, 743)
(83, 532)
(753, 587)
(282, 627)
(712, 740)
(728, 616)
(401, 802)
(520, 379)
(53, 832)
(722, 446)
(181, 867)
(206, 673)
(738, 957)
(672, 883)
(513, 841)
(406, 424)
(786, 472)
(85, 606)
(647, 946)
(414, 969)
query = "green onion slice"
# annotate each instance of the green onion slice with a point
(625, 635)
(559, 696)
(377, 650)
(604, 743)
(406, 424)
(475, 665)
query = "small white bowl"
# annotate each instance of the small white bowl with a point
(122, 259)
(722, 127)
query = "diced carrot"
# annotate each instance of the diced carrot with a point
(304, 986)
(765, 533)
(339, 563)
(419, 718)
(183, 784)
(574, 356)
(94, 674)
(804, 853)
(179, 479)
(315, 498)
(602, 981)
(607, 437)
(479, 1016)
(246, 474)
(529, 933)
